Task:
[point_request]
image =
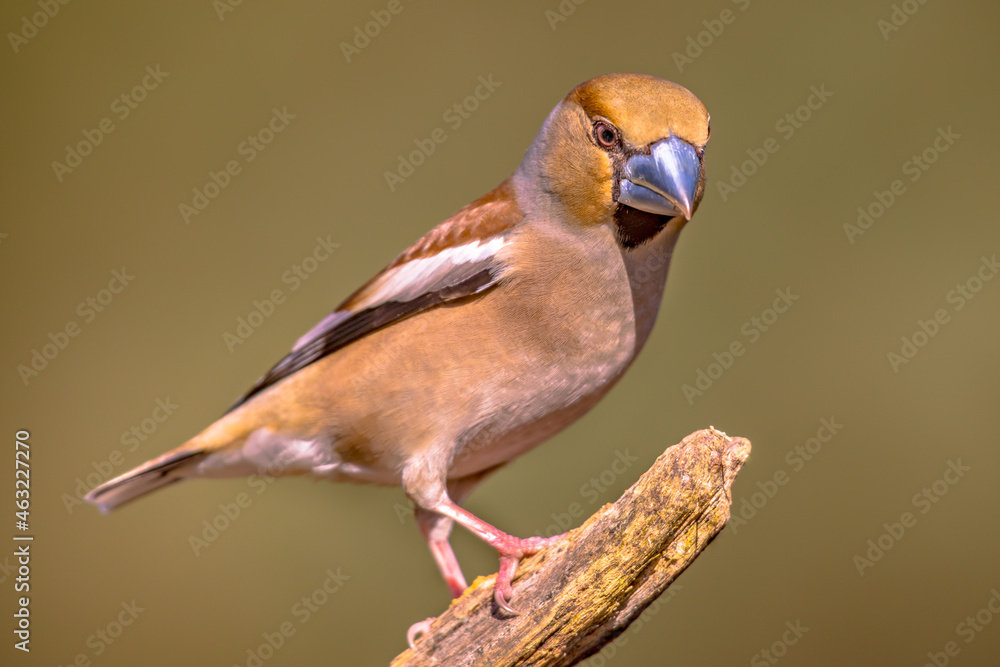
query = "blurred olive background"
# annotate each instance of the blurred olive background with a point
(223, 72)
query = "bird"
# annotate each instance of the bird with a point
(497, 329)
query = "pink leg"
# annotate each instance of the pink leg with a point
(510, 548)
(435, 529)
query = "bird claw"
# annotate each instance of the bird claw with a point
(502, 597)
(417, 630)
(502, 590)
(510, 556)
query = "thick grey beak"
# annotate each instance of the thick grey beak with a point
(663, 182)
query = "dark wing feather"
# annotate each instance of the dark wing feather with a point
(356, 325)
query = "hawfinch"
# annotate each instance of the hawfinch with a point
(496, 330)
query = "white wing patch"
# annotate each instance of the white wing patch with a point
(426, 274)
(398, 292)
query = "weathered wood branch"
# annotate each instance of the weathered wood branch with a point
(580, 594)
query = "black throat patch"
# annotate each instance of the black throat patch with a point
(634, 227)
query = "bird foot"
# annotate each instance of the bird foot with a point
(511, 550)
(418, 630)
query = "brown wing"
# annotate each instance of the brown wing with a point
(455, 260)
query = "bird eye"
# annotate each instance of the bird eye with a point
(709, 133)
(605, 134)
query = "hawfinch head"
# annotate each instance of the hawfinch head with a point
(623, 143)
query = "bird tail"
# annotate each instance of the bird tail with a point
(147, 478)
(178, 464)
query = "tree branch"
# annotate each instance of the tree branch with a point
(580, 594)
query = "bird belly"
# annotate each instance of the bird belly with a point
(425, 388)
